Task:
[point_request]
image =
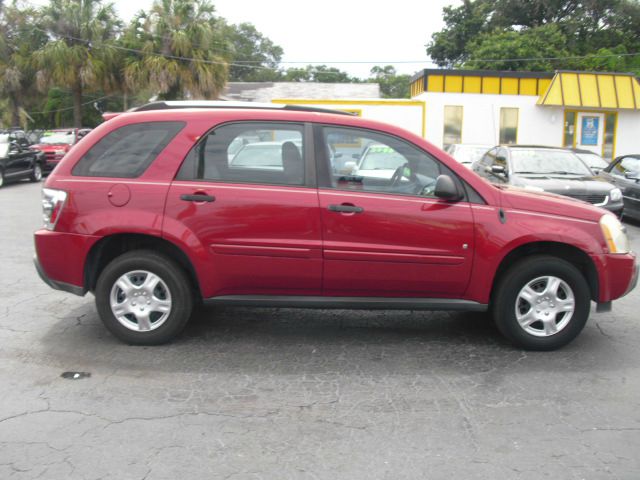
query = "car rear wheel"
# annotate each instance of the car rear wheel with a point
(36, 173)
(542, 303)
(144, 298)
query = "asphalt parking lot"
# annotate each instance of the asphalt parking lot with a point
(293, 394)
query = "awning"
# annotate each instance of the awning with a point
(593, 90)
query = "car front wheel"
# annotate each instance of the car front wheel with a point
(542, 303)
(144, 298)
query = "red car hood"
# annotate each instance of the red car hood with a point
(549, 203)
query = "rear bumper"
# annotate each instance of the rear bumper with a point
(56, 285)
(60, 259)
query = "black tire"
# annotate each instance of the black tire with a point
(174, 285)
(524, 273)
(36, 173)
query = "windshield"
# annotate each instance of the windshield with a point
(593, 160)
(257, 155)
(57, 138)
(381, 158)
(542, 161)
(467, 154)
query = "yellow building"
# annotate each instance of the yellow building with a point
(592, 110)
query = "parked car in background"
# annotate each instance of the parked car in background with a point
(153, 218)
(56, 143)
(594, 161)
(548, 169)
(18, 162)
(378, 161)
(624, 172)
(467, 153)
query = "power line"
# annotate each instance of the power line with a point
(71, 108)
(246, 63)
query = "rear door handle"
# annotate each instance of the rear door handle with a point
(198, 197)
(345, 208)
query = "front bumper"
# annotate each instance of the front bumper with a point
(617, 275)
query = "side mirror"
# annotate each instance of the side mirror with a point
(349, 167)
(631, 175)
(447, 189)
(499, 170)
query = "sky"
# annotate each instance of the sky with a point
(357, 32)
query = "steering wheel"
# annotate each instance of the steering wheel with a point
(396, 178)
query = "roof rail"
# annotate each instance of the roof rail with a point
(178, 104)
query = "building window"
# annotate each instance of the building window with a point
(609, 136)
(452, 125)
(508, 125)
(569, 128)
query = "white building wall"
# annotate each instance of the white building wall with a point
(628, 133)
(481, 118)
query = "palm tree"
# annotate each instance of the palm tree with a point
(78, 55)
(180, 47)
(18, 40)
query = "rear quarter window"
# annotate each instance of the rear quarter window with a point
(127, 151)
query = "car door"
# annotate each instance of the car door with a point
(18, 161)
(254, 221)
(624, 172)
(390, 236)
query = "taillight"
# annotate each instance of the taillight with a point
(52, 204)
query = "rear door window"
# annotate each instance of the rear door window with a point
(127, 151)
(251, 152)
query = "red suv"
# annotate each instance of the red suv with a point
(152, 215)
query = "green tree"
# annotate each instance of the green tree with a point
(487, 29)
(183, 51)
(18, 41)
(497, 51)
(449, 46)
(78, 55)
(253, 57)
(391, 84)
(318, 73)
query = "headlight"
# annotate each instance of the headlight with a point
(614, 234)
(615, 195)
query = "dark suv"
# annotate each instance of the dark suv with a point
(151, 214)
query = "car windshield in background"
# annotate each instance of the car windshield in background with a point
(543, 161)
(466, 154)
(629, 166)
(381, 158)
(259, 154)
(593, 160)
(57, 138)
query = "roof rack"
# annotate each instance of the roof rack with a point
(178, 104)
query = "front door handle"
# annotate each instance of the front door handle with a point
(345, 208)
(198, 197)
